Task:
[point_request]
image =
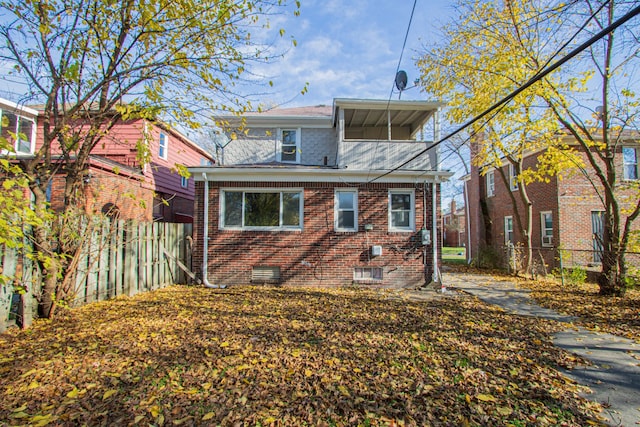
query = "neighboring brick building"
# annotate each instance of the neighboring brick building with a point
(454, 233)
(567, 212)
(311, 196)
(115, 182)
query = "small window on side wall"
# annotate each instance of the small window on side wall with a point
(546, 228)
(508, 230)
(163, 146)
(401, 210)
(491, 184)
(346, 210)
(513, 178)
(184, 182)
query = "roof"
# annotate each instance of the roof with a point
(356, 112)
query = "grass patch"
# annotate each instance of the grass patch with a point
(287, 356)
(455, 255)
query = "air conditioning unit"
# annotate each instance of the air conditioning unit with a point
(376, 250)
(547, 240)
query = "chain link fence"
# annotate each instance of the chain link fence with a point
(575, 263)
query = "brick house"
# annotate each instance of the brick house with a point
(454, 232)
(115, 182)
(567, 212)
(312, 196)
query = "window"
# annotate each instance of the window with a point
(491, 184)
(513, 178)
(184, 182)
(508, 229)
(630, 159)
(546, 228)
(346, 210)
(17, 131)
(163, 146)
(257, 209)
(367, 273)
(290, 145)
(401, 210)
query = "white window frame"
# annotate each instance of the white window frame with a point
(184, 182)
(163, 149)
(412, 210)
(280, 227)
(337, 209)
(17, 131)
(513, 179)
(281, 144)
(634, 165)
(508, 220)
(491, 183)
(546, 234)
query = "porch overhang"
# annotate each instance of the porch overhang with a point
(258, 174)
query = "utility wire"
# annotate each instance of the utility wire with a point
(404, 44)
(539, 76)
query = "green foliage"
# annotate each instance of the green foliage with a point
(576, 275)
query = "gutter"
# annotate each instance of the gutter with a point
(205, 238)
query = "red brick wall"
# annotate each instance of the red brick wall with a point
(126, 193)
(317, 255)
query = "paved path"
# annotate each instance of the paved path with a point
(614, 376)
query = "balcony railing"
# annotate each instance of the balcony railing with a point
(384, 155)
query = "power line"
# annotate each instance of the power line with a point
(404, 45)
(537, 77)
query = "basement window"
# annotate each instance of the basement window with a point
(265, 274)
(367, 273)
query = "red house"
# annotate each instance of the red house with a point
(325, 195)
(115, 181)
(567, 212)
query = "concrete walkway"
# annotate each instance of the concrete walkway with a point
(614, 376)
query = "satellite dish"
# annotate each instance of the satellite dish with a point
(401, 80)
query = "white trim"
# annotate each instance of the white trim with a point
(513, 178)
(491, 189)
(280, 139)
(506, 230)
(336, 204)
(545, 239)
(166, 145)
(313, 174)
(221, 210)
(412, 210)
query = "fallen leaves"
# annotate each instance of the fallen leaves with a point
(618, 316)
(286, 356)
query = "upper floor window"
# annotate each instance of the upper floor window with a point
(184, 182)
(346, 210)
(163, 146)
(290, 145)
(18, 131)
(491, 184)
(508, 229)
(630, 159)
(513, 177)
(401, 210)
(261, 209)
(546, 228)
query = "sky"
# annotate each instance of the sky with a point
(351, 49)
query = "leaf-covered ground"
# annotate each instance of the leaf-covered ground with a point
(287, 356)
(618, 316)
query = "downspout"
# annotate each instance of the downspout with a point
(205, 238)
(434, 238)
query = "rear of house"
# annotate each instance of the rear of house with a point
(327, 195)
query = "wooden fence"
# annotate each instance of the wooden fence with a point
(115, 258)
